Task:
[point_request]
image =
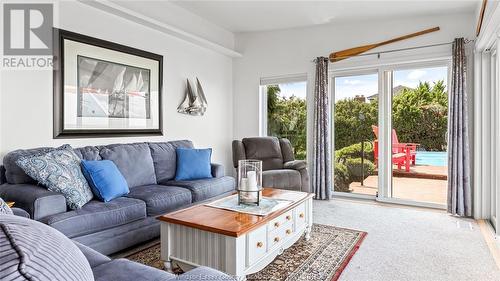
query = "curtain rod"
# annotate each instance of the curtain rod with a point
(402, 49)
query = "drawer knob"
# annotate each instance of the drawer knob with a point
(288, 231)
(288, 218)
(260, 244)
(301, 215)
(276, 239)
(276, 224)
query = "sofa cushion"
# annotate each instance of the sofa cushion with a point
(207, 188)
(59, 170)
(283, 179)
(15, 174)
(31, 250)
(96, 216)
(90, 153)
(164, 158)
(123, 270)
(161, 199)
(266, 149)
(133, 160)
(193, 164)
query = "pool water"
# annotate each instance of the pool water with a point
(432, 158)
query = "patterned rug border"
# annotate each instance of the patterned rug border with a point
(351, 253)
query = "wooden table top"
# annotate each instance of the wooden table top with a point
(232, 223)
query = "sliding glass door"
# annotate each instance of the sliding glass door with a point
(390, 133)
(419, 134)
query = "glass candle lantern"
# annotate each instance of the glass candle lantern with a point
(249, 181)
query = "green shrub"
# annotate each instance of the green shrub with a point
(354, 151)
(354, 168)
(341, 178)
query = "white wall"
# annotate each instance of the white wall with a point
(26, 96)
(291, 51)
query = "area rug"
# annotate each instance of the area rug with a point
(322, 258)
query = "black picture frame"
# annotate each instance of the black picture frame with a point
(59, 36)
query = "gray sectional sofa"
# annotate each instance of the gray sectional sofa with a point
(149, 169)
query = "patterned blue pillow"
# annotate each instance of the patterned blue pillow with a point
(4, 208)
(59, 170)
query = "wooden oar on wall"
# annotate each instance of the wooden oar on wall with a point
(340, 55)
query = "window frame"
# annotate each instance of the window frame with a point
(277, 80)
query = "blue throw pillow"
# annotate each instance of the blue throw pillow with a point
(193, 164)
(105, 179)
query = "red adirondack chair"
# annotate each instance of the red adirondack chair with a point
(402, 153)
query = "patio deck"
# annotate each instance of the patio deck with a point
(422, 183)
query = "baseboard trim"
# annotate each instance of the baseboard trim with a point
(491, 241)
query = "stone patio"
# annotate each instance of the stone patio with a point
(422, 184)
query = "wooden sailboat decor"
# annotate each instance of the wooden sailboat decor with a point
(195, 102)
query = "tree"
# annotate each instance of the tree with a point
(421, 115)
(287, 118)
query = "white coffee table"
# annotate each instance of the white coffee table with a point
(236, 243)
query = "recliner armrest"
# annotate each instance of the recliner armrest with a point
(295, 165)
(217, 170)
(36, 200)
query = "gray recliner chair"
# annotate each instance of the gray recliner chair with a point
(280, 169)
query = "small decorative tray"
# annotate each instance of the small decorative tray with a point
(267, 205)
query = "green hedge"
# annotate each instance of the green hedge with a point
(347, 168)
(354, 151)
(355, 171)
(341, 178)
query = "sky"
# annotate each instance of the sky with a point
(297, 89)
(367, 85)
(350, 86)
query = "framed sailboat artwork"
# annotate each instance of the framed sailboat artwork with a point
(104, 89)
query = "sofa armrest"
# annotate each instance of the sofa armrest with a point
(295, 165)
(20, 213)
(217, 170)
(93, 257)
(36, 200)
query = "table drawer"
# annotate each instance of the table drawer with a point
(277, 236)
(300, 215)
(256, 245)
(280, 221)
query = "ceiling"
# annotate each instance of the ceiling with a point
(247, 16)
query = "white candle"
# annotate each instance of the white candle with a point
(252, 180)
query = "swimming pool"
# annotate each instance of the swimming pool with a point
(432, 158)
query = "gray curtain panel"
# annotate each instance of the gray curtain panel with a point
(321, 168)
(459, 187)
